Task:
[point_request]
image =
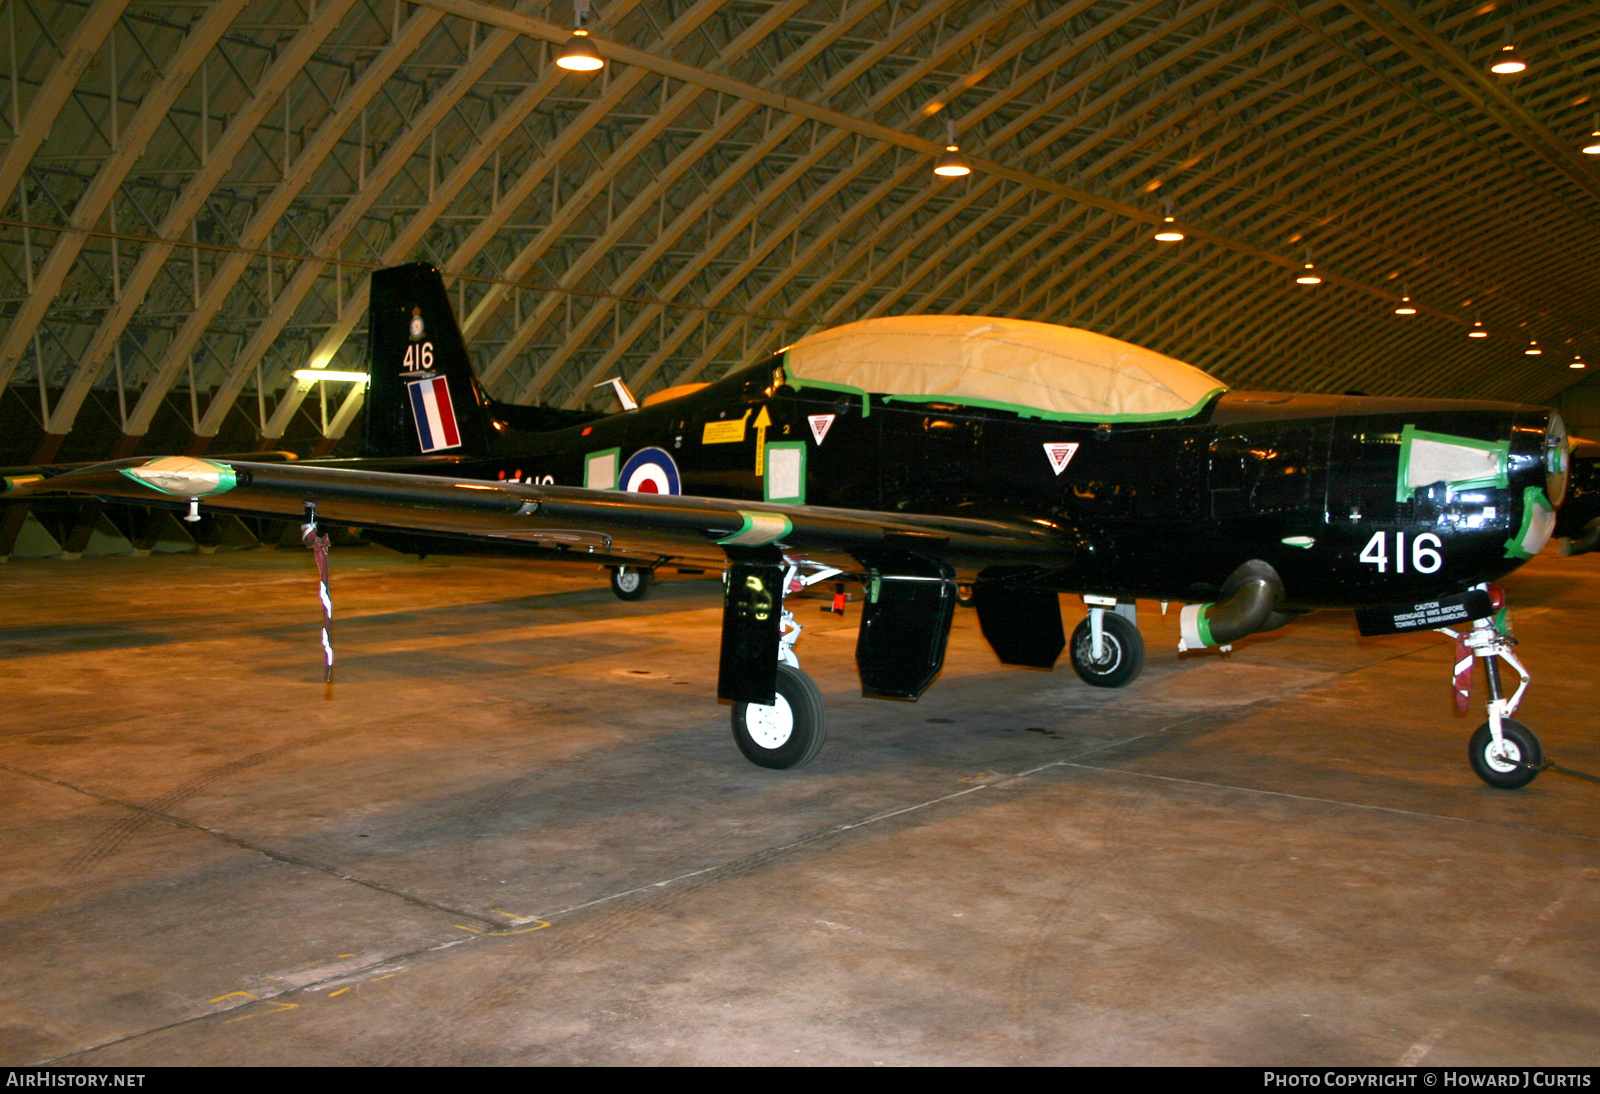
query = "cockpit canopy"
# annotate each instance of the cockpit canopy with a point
(1038, 370)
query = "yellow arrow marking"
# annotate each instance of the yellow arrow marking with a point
(762, 421)
(278, 1008)
(234, 995)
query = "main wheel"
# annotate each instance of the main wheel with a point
(1121, 653)
(790, 731)
(1505, 769)
(631, 582)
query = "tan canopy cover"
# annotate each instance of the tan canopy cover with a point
(1037, 369)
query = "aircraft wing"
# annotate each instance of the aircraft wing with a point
(575, 520)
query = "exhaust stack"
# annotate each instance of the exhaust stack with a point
(1250, 598)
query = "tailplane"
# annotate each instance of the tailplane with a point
(422, 398)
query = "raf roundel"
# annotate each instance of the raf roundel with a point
(649, 471)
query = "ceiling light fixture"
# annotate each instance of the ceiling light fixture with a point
(1405, 307)
(1477, 330)
(951, 164)
(1309, 275)
(1577, 362)
(579, 55)
(332, 374)
(1169, 232)
(1593, 147)
(1506, 61)
(1533, 349)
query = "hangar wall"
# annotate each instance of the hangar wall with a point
(1580, 407)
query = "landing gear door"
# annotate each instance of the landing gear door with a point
(905, 623)
(751, 609)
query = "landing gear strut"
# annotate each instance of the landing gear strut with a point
(790, 732)
(1504, 752)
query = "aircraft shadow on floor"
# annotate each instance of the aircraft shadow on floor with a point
(17, 642)
(452, 620)
(512, 656)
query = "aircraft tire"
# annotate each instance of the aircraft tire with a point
(631, 582)
(1497, 772)
(787, 734)
(1122, 653)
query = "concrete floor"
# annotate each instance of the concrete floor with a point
(518, 832)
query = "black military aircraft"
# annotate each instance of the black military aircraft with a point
(920, 454)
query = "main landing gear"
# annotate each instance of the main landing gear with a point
(790, 732)
(1504, 752)
(631, 582)
(1107, 648)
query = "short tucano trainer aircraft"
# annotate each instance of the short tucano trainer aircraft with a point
(921, 454)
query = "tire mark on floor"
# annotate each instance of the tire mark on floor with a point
(495, 926)
(116, 835)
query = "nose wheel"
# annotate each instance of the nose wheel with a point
(1504, 753)
(1511, 763)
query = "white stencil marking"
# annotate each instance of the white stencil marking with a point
(1060, 455)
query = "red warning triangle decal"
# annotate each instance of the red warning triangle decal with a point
(1060, 454)
(820, 424)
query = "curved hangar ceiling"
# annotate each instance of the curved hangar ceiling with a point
(195, 191)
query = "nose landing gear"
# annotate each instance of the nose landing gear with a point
(1504, 752)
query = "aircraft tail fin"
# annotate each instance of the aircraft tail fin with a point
(423, 397)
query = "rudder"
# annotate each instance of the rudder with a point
(422, 397)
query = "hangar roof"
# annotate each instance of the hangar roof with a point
(1038, 369)
(192, 192)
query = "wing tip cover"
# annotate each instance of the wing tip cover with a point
(184, 476)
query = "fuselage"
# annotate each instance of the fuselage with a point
(1311, 484)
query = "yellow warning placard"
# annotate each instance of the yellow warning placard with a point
(725, 432)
